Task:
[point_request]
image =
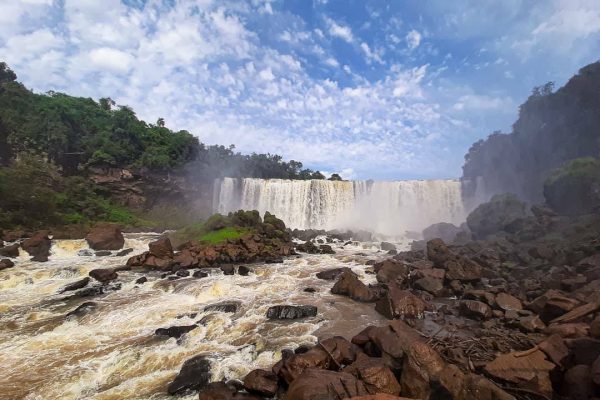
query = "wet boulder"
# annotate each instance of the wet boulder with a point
(261, 382)
(82, 309)
(420, 371)
(194, 375)
(595, 328)
(551, 305)
(141, 280)
(391, 272)
(308, 247)
(463, 269)
(175, 331)
(577, 383)
(227, 269)
(326, 249)
(11, 251)
(243, 270)
(430, 285)
(38, 246)
(226, 307)
(81, 283)
(332, 274)
(6, 263)
(291, 312)
(443, 230)
(375, 374)
(475, 309)
(124, 252)
(104, 275)
(350, 285)
(528, 369)
(325, 385)
(469, 386)
(107, 237)
(161, 248)
(292, 366)
(397, 303)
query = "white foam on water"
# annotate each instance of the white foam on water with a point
(112, 353)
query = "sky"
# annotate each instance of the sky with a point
(369, 89)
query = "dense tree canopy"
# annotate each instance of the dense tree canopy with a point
(75, 133)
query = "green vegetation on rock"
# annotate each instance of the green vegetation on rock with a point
(574, 187)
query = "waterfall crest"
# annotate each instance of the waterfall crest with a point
(389, 208)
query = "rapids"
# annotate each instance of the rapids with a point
(388, 208)
(112, 353)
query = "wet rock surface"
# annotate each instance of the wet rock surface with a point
(291, 312)
(105, 238)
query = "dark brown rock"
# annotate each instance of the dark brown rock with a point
(332, 274)
(431, 285)
(397, 303)
(391, 272)
(291, 312)
(421, 369)
(529, 370)
(175, 331)
(475, 309)
(194, 375)
(595, 328)
(350, 285)
(261, 382)
(11, 251)
(76, 285)
(574, 330)
(531, 324)
(376, 375)
(577, 383)
(103, 275)
(470, 386)
(584, 350)
(294, 365)
(463, 270)
(507, 302)
(161, 248)
(555, 349)
(38, 246)
(107, 237)
(315, 384)
(6, 263)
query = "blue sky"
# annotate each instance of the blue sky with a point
(371, 89)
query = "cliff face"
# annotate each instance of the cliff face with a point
(146, 191)
(552, 128)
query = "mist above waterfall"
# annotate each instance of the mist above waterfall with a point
(388, 208)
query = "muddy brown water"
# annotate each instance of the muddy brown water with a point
(112, 353)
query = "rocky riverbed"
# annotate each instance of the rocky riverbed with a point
(510, 314)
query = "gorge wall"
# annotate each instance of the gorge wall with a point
(552, 128)
(390, 208)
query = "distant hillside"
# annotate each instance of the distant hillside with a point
(552, 128)
(55, 149)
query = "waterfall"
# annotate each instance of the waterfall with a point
(389, 208)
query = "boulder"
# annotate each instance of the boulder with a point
(350, 285)
(552, 304)
(420, 371)
(107, 237)
(555, 349)
(104, 275)
(397, 303)
(291, 312)
(595, 372)
(507, 302)
(573, 330)
(243, 270)
(389, 342)
(439, 253)
(227, 269)
(430, 285)
(475, 309)
(194, 375)
(81, 283)
(326, 249)
(292, 366)
(332, 274)
(261, 382)
(391, 272)
(531, 323)
(584, 350)
(141, 281)
(38, 246)
(386, 246)
(501, 213)
(175, 331)
(463, 269)
(528, 370)
(469, 386)
(595, 328)
(443, 230)
(375, 374)
(6, 263)
(226, 307)
(11, 251)
(315, 384)
(82, 309)
(123, 252)
(161, 248)
(577, 383)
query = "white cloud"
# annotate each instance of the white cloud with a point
(341, 31)
(370, 54)
(413, 39)
(473, 102)
(114, 60)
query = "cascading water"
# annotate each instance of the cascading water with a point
(390, 208)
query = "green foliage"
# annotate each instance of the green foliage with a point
(34, 194)
(222, 235)
(335, 177)
(574, 187)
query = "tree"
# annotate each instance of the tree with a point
(106, 103)
(6, 74)
(335, 177)
(160, 122)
